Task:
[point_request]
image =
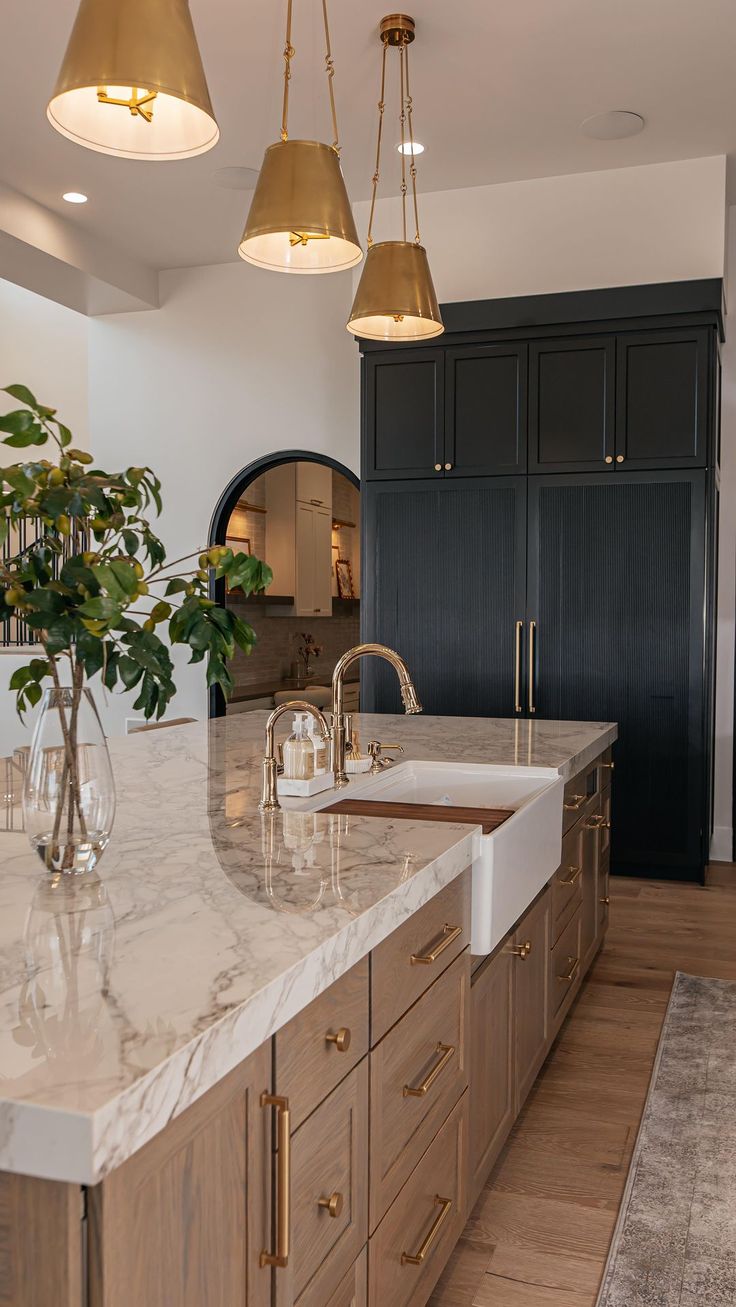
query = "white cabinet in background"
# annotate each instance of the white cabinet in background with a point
(314, 484)
(299, 538)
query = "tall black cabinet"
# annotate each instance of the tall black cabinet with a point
(546, 479)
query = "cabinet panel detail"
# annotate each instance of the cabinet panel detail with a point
(661, 412)
(404, 414)
(530, 995)
(492, 1106)
(486, 409)
(572, 404)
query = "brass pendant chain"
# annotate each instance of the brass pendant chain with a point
(377, 172)
(402, 123)
(330, 70)
(413, 166)
(289, 53)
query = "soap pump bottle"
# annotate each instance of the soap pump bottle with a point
(299, 751)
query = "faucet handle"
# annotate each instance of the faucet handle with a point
(376, 750)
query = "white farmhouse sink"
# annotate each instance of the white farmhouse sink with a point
(515, 860)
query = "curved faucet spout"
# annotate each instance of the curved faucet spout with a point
(409, 697)
(269, 796)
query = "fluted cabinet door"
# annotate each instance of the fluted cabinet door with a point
(616, 586)
(444, 577)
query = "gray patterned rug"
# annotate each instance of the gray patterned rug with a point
(675, 1241)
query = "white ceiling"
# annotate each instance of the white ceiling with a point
(500, 90)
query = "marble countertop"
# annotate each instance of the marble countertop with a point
(212, 925)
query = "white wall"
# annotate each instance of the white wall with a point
(44, 346)
(237, 363)
(726, 650)
(621, 227)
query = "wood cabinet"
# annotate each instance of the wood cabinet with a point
(314, 484)
(572, 404)
(492, 1096)
(530, 948)
(186, 1218)
(299, 540)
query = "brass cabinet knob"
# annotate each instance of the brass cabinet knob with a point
(448, 467)
(608, 458)
(619, 458)
(438, 467)
(341, 1040)
(605, 900)
(333, 1205)
(522, 950)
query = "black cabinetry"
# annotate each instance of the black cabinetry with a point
(553, 463)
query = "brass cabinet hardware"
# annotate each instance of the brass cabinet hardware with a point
(610, 765)
(532, 640)
(283, 1182)
(619, 458)
(517, 666)
(597, 822)
(573, 874)
(416, 1259)
(438, 946)
(522, 950)
(605, 900)
(573, 965)
(448, 467)
(446, 1052)
(438, 467)
(577, 801)
(332, 1205)
(608, 458)
(341, 1039)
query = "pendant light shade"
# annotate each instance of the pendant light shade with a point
(300, 218)
(395, 299)
(132, 82)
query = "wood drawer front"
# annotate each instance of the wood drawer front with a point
(603, 894)
(565, 966)
(396, 980)
(353, 1291)
(605, 769)
(531, 945)
(567, 881)
(329, 1156)
(416, 1213)
(309, 1064)
(427, 1050)
(578, 793)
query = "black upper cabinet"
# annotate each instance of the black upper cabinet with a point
(485, 410)
(662, 415)
(403, 414)
(572, 404)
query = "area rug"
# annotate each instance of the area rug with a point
(675, 1240)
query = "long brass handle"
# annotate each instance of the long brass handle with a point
(341, 1039)
(532, 642)
(577, 802)
(438, 946)
(517, 666)
(575, 872)
(572, 971)
(446, 1052)
(522, 950)
(283, 1182)
(416, 1259)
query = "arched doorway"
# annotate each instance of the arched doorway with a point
(294, 485)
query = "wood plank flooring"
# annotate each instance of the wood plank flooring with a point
(540, 1231)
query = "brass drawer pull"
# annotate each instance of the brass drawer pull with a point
(573, 965)
(605, 900)
(283, 1182)
(448, 937)
(416, 1259)
(522, 950)
(332, 1205)
(573, 874)
(610, 765)
(446, 1051)
(341, 1039)
(579, 800)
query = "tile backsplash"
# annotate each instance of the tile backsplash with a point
(278, 640)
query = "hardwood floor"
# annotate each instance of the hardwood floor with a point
(540, 1231)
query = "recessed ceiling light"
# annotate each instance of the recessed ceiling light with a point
(613, 125)
(75, 197)
(406, 148)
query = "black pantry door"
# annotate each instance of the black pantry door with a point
(616, 576)
(444, 582)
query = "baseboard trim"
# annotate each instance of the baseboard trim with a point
(721, 844)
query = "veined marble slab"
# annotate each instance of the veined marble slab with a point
(213, 926)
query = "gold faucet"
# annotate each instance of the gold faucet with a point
(269, 794)
(409, 698)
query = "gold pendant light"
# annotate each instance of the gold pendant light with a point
(300, 218)
(396, 299)
(132, 82)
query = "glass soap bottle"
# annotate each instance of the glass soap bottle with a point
(299, 751)
(320, 746)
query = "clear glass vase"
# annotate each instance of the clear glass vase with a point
(69, 792)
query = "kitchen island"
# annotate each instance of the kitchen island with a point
(137, 1023)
